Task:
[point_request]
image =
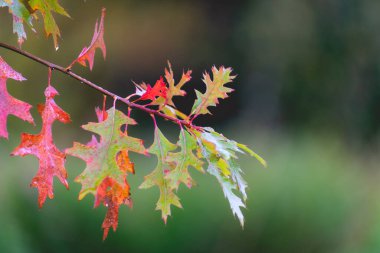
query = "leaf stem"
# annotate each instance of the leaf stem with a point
(154, 121)
(49, 76)
(82, 80)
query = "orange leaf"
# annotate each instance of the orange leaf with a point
(112, 195)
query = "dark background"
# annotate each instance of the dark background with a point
(307, 99)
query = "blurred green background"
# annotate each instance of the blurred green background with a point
(307, 99)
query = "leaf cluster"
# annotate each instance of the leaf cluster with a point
(107, 153)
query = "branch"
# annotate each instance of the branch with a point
(95, 86)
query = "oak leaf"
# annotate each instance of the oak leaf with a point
(215, 90)
(173, 89)
(161, 148)
(8, 104)
(112, 195)
(20, 13)
(51, 159)
(159, 89)
(221, 155)
(107, 163)
(46, 7)
(183, 159)
(88, 53)
(162, 95)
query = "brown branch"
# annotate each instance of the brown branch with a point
(96, 87)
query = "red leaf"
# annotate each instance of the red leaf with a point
(158, 90)
(8, 104)
(51, 159)
(88, 53)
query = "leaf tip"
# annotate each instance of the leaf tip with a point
(65, 183)
(105, 233)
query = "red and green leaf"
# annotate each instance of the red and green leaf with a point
(88, 53)
(162, 95)
(107, 163)
(8, 104)
(51, 159)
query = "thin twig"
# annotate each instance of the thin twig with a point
(82, 80)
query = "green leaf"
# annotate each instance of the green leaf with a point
(221, 155)
(252, 153)
(46, 7)
(182, 160)
(215, 90)
(228, 187)
(161, 148)
(22, 11)
(101, 157)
